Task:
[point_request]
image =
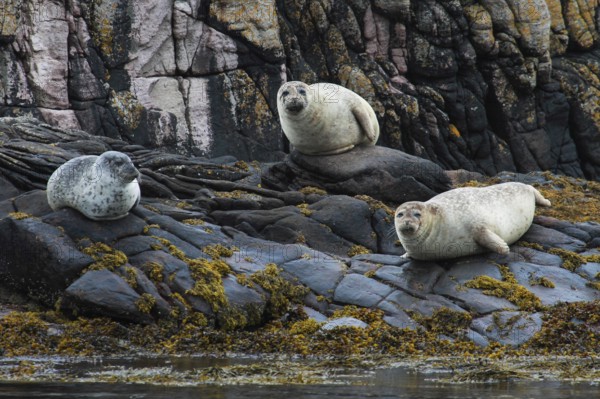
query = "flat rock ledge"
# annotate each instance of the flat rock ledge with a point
(210, 238)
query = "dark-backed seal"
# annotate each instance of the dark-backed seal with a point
(325, 118)
(104, 187)
(467, 221)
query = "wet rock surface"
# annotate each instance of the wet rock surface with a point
(219, 243)
(484, 86)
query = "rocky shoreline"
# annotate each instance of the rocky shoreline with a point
(223, 247)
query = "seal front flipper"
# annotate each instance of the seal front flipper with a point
(362, 117)
(490, 240)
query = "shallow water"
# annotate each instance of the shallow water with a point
(397, 382)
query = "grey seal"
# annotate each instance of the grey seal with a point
(104, 187)
(467, 221)
(325, 118)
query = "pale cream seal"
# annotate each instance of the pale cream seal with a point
(325, 118)
(467, 221)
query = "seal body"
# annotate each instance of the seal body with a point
(467, 221)
(104, 187)
(325, 118)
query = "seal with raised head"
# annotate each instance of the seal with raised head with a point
(467, 221)
(325, 118)
(104, 187)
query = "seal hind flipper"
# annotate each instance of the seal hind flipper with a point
(362, 117)
(539, 198)
(490, 240)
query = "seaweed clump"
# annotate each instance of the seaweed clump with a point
(358, 250)
(282, 293)
(445, 321)
(105, 257)
(569, 329)
(576, 200)
(509, 288)
(572, 260)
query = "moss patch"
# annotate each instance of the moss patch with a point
(282, 293)
(358, 250)
(375, 204)
(508, 289)
(194, 222)
(445, 321)
(304, 209)
(575, 200)
(19, 215)
(105, 257)
(146, 303)
(569, 328)
(572, 260)
(312, 190)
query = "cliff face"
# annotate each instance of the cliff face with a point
(483, 85)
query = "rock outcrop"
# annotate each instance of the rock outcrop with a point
(486, 86)
(210, 241)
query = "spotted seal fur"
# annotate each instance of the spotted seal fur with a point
(104, 187)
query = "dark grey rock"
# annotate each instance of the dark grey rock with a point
(38, 258)
(7, 189)
(78, 226)
(426, 306)
(382, 259)
(103, 293)
(387, 240)
(508, 328)
(198, 236)
(320, 273)
(452, 285)
(590, 270)
(538, 257)
(565, 227)
(477, 338)
(347, 217)
(356, 289)
(33, 203)
(188, 249)
(380, 172)
(134, 245)
(549, 238)
(416, 278)
(569, 287)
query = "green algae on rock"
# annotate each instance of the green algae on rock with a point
(508, 288)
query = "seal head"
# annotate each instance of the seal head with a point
(294, 97)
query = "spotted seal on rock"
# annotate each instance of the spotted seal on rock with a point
(104, 187)
(325, 118)
(467, 221)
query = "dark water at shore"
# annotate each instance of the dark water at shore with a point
(380, 383)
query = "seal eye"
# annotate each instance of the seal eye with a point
(302, 91)
(400, 214)
(285, 93)
(417, 214)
